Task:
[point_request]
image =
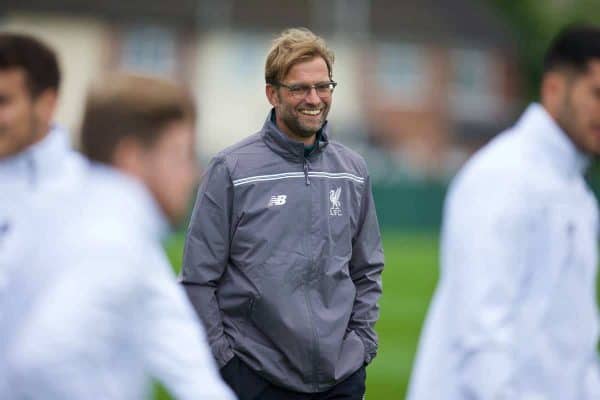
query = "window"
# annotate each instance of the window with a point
(471, 90)
(246, 59)
(401, 73)
(149, 49)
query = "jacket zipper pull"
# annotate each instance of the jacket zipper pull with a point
(306, 172)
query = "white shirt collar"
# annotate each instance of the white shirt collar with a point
(39, 160)
(52, 146)
(558, 148)
(132, 198)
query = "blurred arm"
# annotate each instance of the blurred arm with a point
(54, 352)
(366, 266)
(206, 253)
(107, 302)
(173, 342)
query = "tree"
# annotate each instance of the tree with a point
(536, 22)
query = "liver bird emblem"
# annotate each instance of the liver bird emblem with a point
(334, 197)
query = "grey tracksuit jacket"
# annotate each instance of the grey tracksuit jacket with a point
(283, 260)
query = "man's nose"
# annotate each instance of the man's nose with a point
(312, 97)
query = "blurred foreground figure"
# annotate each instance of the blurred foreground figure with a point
(36, 164)
(283, 255)
(514, 315)
(113, 315)
(35, 158)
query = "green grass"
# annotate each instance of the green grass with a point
(408, 282)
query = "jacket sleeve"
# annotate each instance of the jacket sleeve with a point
(206, 254)
(173, 341)
(131, 305)
(366, 266)
(496, 247)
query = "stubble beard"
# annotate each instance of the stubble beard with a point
(299, 129)
(21, 141)
(567, 121)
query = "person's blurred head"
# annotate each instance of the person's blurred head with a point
(298, 75)
(144, 127)
(571, 85)
(29, 81)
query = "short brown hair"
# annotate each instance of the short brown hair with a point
(35, 57)
(130, 106)
(291, 47)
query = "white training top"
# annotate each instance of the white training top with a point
(32, 177)
(108, 313)
(514, 315)
(42, 170)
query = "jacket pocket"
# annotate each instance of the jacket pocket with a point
(280, 312)
(351, 357)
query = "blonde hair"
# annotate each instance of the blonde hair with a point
(294, 46)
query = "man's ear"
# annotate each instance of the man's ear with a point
(272, 95)
(553, 90)
(128, 157)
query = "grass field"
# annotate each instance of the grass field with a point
(408, 281)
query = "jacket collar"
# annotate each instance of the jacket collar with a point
(40, 160)
(131, 199)
(554, 143)
(290, 149)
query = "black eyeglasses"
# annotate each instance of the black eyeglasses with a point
(324, 90)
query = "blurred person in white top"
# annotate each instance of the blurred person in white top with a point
(35, 157)
(514, 315)
(114, 316)
(36, 162)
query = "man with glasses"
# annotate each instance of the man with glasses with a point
(283, 254)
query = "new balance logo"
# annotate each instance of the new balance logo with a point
(336, 205)
(277, 200)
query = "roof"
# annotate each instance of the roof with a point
(445, 21)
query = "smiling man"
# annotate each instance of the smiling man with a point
(283, 255)
(514, 315)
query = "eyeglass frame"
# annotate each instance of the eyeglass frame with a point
(307, 88)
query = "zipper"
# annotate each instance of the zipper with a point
(315, 350)
(306, 171)
(32, 170)
(307, 285)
